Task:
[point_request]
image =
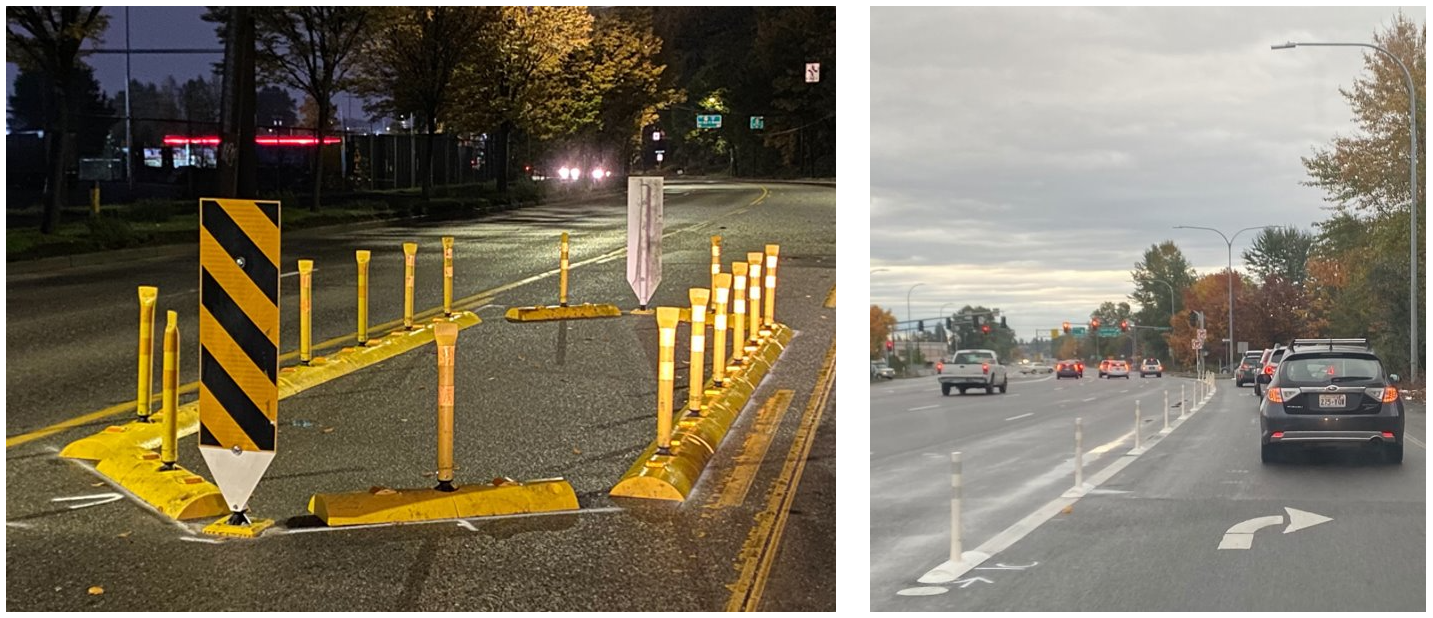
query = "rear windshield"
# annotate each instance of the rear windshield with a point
(969, 358)
(1278, 354)
(1324, 370)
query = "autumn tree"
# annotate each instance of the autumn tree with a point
(626, 76)
(524, 77)
(1365, 179)
(47, 39)
(1279, 252)
(410, 66)
(883, 323)
(311, 49)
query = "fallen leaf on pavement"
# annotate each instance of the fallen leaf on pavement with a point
(124, 534)
(99, 484)
(328, 430)
(576, 451)
(96, 590)
(1068, 509)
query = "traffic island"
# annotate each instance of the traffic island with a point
(561, 312)
(695, 439)
(381, 505)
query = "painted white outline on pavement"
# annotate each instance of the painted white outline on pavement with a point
(99, 499)
(200, 539)
(128, 494)
(1016, 418)
(919, 408)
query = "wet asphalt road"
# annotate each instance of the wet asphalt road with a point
(570, 399)
(1147, 539)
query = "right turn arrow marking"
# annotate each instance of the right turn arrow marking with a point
(1241, 535)
(1298, 520)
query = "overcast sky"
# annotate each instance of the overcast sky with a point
(1025, 158)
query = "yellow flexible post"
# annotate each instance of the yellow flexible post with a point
(716, 260)
(169, 402)
(699, 298)
(147, 297)
(738, 336)
(768, 315)
(410, 257)
(448, 276)
(562, 278)
(363, 257)
(446, 336)
(305, 311)
(666, 368)
(753, 292)
(723, 291)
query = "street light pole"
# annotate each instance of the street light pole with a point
(1229, 245)
(1412, 195)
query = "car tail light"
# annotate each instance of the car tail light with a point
(1390, 395)
(1269, 369)
(1277, 434)
(1279, 395)
(1388, 434)
(985, 368)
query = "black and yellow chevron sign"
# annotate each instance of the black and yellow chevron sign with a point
(238, 323)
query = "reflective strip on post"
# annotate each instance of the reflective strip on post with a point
(699, 298)
(768, 314)
(445, 334)
(169, 402)
(147, 297)
(410, 257)
(738, 336)
(305, 311)
(448, 276)
(667, 318)
(723, 292)
(363, 257)
(716, 260)
(562, 278)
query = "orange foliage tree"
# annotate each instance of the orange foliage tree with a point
(882, 323)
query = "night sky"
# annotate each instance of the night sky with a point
(163, 28)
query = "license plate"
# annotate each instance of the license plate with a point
(1333, 401)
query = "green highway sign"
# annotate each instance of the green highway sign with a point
(1078, 331)
(1109, 331)
(708, 121)
(758, 123)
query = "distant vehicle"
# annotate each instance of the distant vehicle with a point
(1331, 392)
(1069, 369)
(1117, 369)
(1104, 365)
(881, 371)
(1248, 370)
(974, 369)
(1151, 366)
(1037, 368)
(1267, 367)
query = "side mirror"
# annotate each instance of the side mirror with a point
(1263, 378)
(1393, 378)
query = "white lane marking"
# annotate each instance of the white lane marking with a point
(99, 499)
(1125, 391)
(923, 591)
(1000, 566)
(1416, 441)
(18, 524)
(923, 408)
(1087, 400)
(1016, 418)
(200, 539)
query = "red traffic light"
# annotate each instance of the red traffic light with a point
(1124, 325)
(1094, 322)
(1066, 326)
(890, 344)
(985, 328)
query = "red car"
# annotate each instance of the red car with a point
(1069, 369)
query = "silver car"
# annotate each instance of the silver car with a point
(1117, 369)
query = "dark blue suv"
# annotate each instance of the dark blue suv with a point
(1329, 392)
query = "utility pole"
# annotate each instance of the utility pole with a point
(238, 169)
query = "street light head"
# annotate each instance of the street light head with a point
(1289, 45)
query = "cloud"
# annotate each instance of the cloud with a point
(1025, 158)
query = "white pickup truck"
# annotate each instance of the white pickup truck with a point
(974, 369)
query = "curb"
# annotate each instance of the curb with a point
(381, 505)
(695, 439)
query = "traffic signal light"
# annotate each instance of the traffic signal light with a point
(949, 324)
(1094, 322)
(985, 328)
(1193, 320)
(920, 325)
(1066, 326)
(890, 344)
(975, 320)
(1124, 326)
(1002, 322)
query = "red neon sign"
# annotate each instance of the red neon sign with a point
(262, 140)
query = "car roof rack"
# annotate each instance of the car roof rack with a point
(1347, 343)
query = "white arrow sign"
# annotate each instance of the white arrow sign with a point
(1241, 535)
(644, 236)
(965, 583)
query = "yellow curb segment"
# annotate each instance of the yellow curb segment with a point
(381, 505)
(572, 312)
(695, 439)
(178, 493)
(135, 435)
